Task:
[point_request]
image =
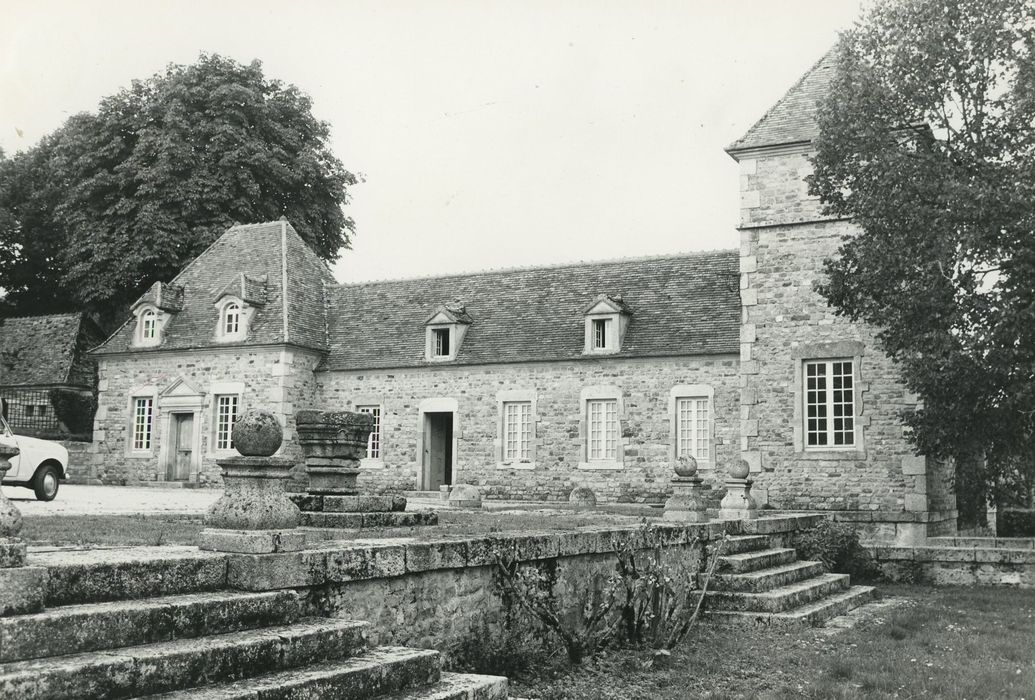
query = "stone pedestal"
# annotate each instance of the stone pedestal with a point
(333, 443)
(22, 588)
(738, 504)
(687, 503)
(254, 515)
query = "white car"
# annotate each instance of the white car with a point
(41, 465)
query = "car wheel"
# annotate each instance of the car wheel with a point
(45, 483)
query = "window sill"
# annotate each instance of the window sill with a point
(371, 463)
(140, 454)
(601, 465)
(850, 454)
(515, 465)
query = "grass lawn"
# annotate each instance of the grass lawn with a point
(110, 530)
(941, 643)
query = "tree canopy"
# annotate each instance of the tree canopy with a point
(927, 141)
(117, 199)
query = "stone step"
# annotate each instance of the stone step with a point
(74, 629)
(128, 573)
(372, 674)
(754, 561)
(183, 663)
(459, 686)
(356, 521)
(766, 579)
(813, 614)
(745, 543)
(779, 599)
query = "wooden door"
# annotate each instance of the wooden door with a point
(183, 447)
(438, 450)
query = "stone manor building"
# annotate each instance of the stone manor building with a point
(531, 382)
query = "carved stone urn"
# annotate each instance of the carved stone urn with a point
(333, 442)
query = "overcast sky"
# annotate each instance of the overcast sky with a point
(489, 134)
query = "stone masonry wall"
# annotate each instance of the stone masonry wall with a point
(784, 240)
(644, 385)
(276, 379)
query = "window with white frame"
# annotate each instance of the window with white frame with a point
(829, 403)
(143, 420)
(231, 319)
(517, 431)
(441, 342)
(693, 414)
(374, 441)
(227, 406)
(600, 333)
(602, 430)
(149, 326)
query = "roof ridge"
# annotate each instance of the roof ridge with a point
(529, 268)
(776, 105)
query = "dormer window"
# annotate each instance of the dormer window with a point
(236, 304)
(607, 319)
(153, 312)
(445, 332)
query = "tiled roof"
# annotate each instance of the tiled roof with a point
(681, 305)
(793, 118)
(271, 250)
(38, 350)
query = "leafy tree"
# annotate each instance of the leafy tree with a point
(116, 199)
(927, 141)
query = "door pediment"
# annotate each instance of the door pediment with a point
(181, 394)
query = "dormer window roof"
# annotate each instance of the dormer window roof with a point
(607, 319)
(445, 330)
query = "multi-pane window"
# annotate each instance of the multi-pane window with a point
(148, 325)
(226, 415)
(441, 338)
(374, 441)
(602, 415)
(143, 414)
(600, 333)
(829, 403)
(692, 416)
(517, 431)
(231, 319)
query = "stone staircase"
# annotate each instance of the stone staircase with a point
(755, 583)
(106, 634)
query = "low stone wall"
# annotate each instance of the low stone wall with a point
(901, 528)
(962, 561)
(441, 593)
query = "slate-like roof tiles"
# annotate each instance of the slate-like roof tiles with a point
(793, 118)
(39, 350)
(681, 305)
(256, 250)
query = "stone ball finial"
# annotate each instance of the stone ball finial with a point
(740, 469)
(686, 466)
(257, 434)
